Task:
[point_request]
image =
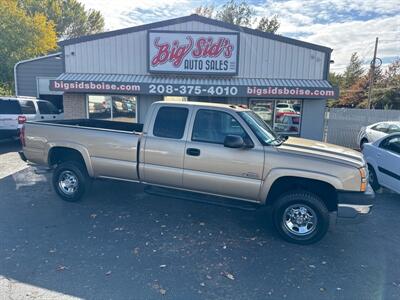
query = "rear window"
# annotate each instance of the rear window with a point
(170, 122)
(296, 120)
(27, 107)
(46, 108)
(9, 107)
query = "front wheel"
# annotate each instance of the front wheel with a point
(373, 179)
(70, 181)
(301, 217)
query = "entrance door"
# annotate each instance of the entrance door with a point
(211, 167)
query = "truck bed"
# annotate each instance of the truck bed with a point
(98, 124)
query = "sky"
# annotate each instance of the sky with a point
(346, 26)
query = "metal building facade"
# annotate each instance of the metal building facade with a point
(259, 56)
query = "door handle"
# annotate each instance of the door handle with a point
(42, 117)
(193, 151)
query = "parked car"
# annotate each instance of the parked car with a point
(281, 105)
(383, 159)
(263, 112)
(289, 124)
(15, 111)
(284, 111)
(372, 133)
(209, 149)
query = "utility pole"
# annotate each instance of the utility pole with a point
(372, 73)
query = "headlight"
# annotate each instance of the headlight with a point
(364, 179)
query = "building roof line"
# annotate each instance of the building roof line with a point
(201, 19)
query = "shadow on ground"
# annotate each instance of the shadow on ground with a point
(120, 243)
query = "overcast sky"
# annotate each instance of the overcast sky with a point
(346, 26)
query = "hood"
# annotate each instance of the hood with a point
(323, 150)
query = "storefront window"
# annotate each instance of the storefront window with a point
(116, 107)
(282, 115)
(264, 109)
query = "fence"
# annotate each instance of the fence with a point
(342, 125)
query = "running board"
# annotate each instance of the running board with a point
(201, 198)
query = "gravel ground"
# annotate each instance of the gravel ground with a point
(121, 243)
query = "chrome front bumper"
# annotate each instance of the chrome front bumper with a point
(353, 206)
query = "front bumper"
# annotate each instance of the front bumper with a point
(353, 206)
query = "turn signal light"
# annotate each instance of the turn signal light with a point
(364, 181)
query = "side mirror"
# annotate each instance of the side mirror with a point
(234, 141)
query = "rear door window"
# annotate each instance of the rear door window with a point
(46, 108)
(27, 107)
(9, 107)
(170, 122)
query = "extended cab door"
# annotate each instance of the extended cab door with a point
(212, 168)
(164, 147)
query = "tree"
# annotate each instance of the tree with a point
(70, 16)
(239, 13)
(269, 25)
(353, 71)
(21, 37)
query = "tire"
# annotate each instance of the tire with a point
(70, 181)
(373, 179)
(363, 141)
(302, 204)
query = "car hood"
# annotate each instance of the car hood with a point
(323, 151)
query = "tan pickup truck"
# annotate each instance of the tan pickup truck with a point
(209, 149)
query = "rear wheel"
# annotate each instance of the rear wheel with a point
(301, 217)
(373, 179)
(70, 180)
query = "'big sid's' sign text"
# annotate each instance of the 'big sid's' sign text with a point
(193, 52)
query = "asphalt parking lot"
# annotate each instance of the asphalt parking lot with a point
(121, 243)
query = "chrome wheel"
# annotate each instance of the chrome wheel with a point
(68, 182)
(300, 219)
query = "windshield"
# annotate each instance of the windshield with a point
(261, 129)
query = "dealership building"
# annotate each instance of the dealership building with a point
(116, 75)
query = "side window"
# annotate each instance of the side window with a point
(381, 127)
(46, 108)
(212, 126)
(9, 107)
(170, 122)
(27, 107)
(393, 129)
(391, 144)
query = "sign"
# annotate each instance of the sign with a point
(193, 52)
(182, 89)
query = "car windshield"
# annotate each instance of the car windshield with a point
(262, 130)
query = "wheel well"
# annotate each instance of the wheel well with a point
(59, 155)
(324, 190)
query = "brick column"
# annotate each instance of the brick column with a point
(74, 106)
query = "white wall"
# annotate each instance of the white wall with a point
(259, 57)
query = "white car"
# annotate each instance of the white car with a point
(16, 111)
(383, 159)
(371, 133)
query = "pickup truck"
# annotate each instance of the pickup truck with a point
(209, 149)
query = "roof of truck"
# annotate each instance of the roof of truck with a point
(206, 104)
